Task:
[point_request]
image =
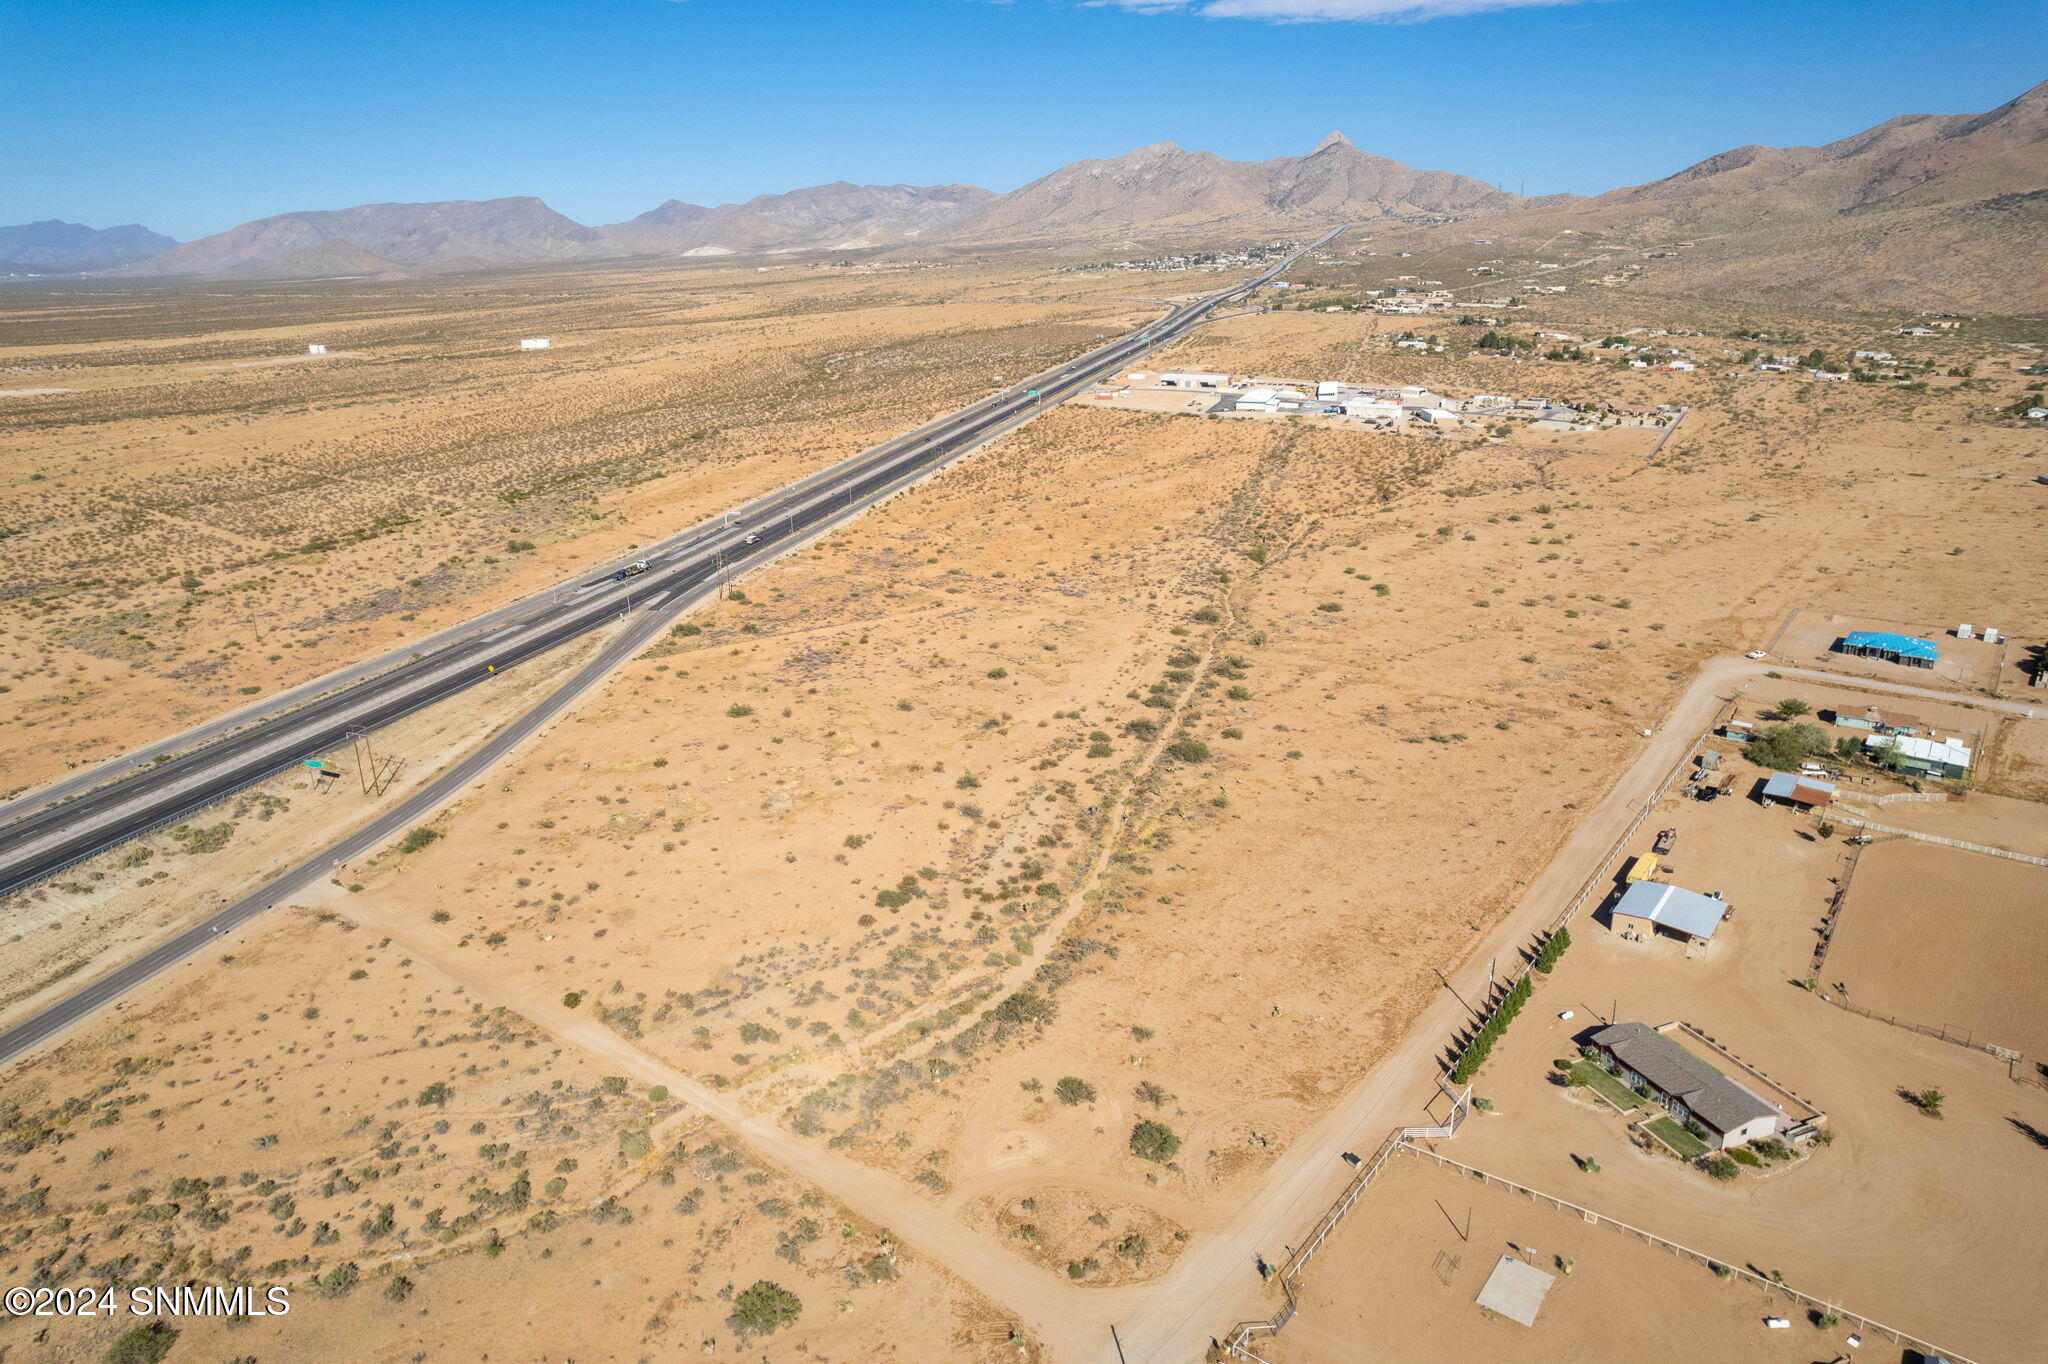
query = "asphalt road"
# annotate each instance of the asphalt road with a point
(177, 777)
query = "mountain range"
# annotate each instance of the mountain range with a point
(1920, 210)
(52, 246)
(1923, 210)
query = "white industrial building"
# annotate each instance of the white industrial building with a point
(1374, 411)
(316, 350)
(1193, 380)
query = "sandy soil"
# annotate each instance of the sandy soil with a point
(1890, 1177)
(195, 521)
(1947, 939)
(1175, 759)
(1810, 636)
(2017, 765)
(2019, 826)
(1399, 1280)
(390, 1122)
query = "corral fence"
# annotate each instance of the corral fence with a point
(1831, 920)
(1961, 1037)
(1855, 1321)
(1238, 1341)
(1918, 837)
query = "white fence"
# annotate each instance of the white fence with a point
(1855, 1321)
(1877, 828)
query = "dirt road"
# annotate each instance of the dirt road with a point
(1216, 1281)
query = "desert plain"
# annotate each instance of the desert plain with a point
(976, 926)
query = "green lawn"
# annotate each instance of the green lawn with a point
(1676, 1137)
(1588, 1073)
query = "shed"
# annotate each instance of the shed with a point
(1641, 868)
(1794, 788)
(1668, 909)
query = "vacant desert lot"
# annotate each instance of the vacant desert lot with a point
(181, 529)
(322, 1111)
(1947, 939)
(1399, 1278)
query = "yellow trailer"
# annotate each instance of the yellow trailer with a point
(1642, 869)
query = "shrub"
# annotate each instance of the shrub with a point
(437, 1094)
(1154, 1141)
(399, 1289)
(340, 1280)
(572, 999)
(1026, 1006)
(738, 711)
(417, 839)
(143, 1345)
(1720, 1167)
(1742, 1157)
(764, 1309)
(1188, 751)
(1072, 1089)
(1930, 1101)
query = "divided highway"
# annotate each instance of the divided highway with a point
(83, 816)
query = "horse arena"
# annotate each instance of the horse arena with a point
(1948, 939)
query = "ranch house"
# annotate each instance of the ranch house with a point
(1685, 1086)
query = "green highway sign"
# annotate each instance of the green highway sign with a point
(314, 763)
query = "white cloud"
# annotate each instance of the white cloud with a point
(1329, 11)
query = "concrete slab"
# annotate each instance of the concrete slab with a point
(1515, 1290)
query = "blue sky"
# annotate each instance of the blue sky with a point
(193, 115)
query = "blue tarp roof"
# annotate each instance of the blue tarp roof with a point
(1906, 646)
(1673, 907)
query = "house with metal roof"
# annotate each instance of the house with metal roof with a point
(1926, 757)
(1658, 907)
(1685, 1086)
(1796, 788)
(1908, 650)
